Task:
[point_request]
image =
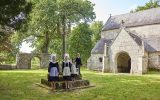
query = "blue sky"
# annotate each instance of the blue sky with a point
(103, 8)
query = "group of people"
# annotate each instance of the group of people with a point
(70, 70)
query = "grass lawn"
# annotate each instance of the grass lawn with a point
(20, 85)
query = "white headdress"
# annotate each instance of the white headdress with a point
(53, 56)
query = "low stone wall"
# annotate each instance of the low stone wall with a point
(7, 67)
(61, 84)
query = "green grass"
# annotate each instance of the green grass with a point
(20, 85)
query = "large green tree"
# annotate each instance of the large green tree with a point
(80, 41)
(148, 5)
(96, 28)
(12, 14)
(73, 11)
(51, 20)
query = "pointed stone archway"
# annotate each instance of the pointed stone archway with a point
(123, 62)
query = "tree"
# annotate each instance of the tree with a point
(96, 28)
(80, 41)
(148, 5)
(42, 24)
(52, 20)
(12, 14)
(73, 11)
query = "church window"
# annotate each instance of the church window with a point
(100, 59)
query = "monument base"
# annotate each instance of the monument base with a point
(61, 84)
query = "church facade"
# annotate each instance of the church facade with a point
(130, 43)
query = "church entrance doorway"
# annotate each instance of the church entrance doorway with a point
(123, 63)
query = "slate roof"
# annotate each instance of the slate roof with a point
(99, 47)
(150, 44)
(146, 17)
(138, 40)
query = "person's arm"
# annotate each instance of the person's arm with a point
(49, 68)
(58, 67)
(70, 65)
(76, 60)
(80, 61)
(62, 66)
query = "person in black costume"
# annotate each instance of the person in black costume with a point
(78, 63)
(53, 72)
(66, 70)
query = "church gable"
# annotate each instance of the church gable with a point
(126, 41)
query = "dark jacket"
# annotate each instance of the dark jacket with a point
(78, 61)
(53, 65)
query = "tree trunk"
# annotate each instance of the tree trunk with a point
(46, 43)
(64, 45)
(64, 36)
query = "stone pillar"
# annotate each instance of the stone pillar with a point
(23, 61)
(106, 67)
(44, 60)
(144, 57)
(144, 64)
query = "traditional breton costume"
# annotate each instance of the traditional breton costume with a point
(78, 64)
(66, 70)
(74, 71)
(53, 71)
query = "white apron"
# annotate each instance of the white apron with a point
(74, 69)
(66, 70)
(53, 72)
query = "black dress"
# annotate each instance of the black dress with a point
(78, 64)
(53, 71)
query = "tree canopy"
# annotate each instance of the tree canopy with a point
(148, 5)
(80, 41)
(96, 28)
(50, 20)
(13, 12)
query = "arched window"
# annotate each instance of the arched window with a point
(100, 59)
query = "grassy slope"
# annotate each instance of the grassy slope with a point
(20, 85)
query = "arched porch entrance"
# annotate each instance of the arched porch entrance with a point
(123, 63)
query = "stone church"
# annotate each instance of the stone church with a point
(130, 43)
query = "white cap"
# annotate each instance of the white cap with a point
(66, 54)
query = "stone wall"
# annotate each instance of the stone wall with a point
(147, 30)
(7, 67)
(111, 34)
(94, 63)
(154, 60)
(24, 60)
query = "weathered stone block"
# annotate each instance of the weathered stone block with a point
(61, 84)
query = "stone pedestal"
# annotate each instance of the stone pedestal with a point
(61, 84)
